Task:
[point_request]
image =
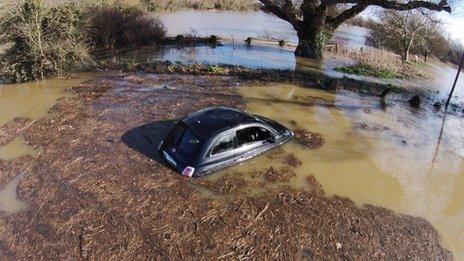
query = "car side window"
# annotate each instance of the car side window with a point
(224, 143)
(252, 134)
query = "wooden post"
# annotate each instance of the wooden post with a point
(455, 82)
(437, 148)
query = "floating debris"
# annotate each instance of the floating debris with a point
(281, 175)
(370, 127)
(309, 139)
(292, 160)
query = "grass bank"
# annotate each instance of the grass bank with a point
(368, 70)
(377, 63)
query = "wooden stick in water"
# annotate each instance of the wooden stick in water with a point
(455, 82)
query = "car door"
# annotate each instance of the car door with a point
(222, 153)
(227, 151)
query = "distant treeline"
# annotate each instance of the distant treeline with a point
(164, 5)
(176, 5)
(429, 43)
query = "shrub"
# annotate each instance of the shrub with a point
(47, 41)
(118, 27)
(217, 6)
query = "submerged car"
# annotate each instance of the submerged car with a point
(219, 137)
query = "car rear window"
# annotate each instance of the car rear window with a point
(189, 143)
(183, 140)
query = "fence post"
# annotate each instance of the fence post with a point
(437, 148)
(455, 82)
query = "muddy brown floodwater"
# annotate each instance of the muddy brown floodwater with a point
(389, 157)
(98, 190)
(20, 106)
(32, 100)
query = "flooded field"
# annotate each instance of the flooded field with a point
(29, 101)
(80, 177)
(391, 158)
(271, 57)
(32, 100)
(97, 184)
(241, 25)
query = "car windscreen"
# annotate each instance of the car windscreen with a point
(183, 140)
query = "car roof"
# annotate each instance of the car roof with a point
(211, 120)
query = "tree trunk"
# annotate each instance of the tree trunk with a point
(311, 44)
(406, 50)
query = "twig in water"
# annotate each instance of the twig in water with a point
(261, 213)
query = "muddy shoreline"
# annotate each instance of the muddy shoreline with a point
(385, 92)
(98, 190)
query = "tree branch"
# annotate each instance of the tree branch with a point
(361, 5)
(442, 6)
(388, 4)
(347, 14)
(286, 11)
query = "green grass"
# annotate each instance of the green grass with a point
(368, 70)
(416, 64)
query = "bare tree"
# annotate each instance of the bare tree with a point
(430, 39)
(315, 21)
(401, 31)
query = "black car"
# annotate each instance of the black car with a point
(218, 137)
